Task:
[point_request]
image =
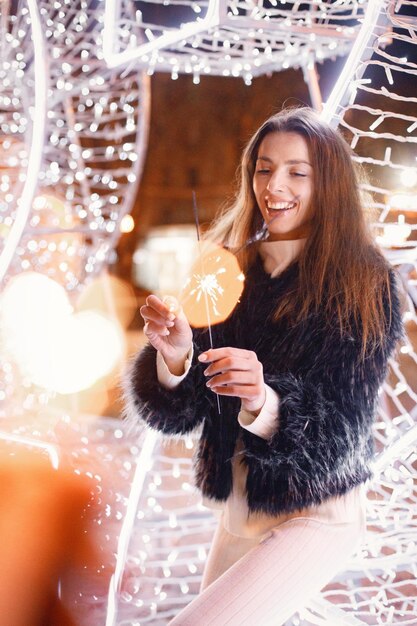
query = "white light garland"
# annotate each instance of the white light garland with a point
(96, 132)
(87, 146)
(378, 587)
(24, 202)
(229, 38)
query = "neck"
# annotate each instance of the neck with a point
(301, 232)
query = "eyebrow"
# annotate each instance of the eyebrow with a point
(290, 162)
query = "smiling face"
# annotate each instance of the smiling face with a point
(283, 184)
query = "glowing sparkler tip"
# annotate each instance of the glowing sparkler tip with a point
(214, 288)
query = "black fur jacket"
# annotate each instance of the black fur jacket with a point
(327, 400)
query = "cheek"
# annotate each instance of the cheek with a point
(308, 198)
(256, 192)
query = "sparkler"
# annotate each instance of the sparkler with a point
(206, 284)
(214, 286)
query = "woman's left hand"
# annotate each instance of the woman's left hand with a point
(236, 372)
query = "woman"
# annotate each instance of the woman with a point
(297, 366)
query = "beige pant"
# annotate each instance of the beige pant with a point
(265, 580)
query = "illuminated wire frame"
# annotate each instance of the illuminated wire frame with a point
(228, 37)
(50, 450)
(91, 132)
(73, 137)
(375, 106)
(23, 182)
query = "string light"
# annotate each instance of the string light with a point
(83, 116)
(385, 566)
(70, 236)
(233, 27)
(127, 224)
(408, 176)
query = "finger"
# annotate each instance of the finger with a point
(157, 341)
(149, 314)
(234, 377)
(155, 330)
(248, 392)
(231, 363)
(172, 304)
(156, 303)
(177, 313)
(215, 354)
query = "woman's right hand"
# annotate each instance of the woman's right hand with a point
(168, 330)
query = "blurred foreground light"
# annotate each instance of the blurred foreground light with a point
(408, 177)
(50, 203)
(88, 347)
(162, 262)
(54, 347)
(395, 234)
(32, 299)
(127, 224)
(404, 201)
(53, 211)
(109, 295)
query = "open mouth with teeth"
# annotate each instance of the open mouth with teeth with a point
(274, 208)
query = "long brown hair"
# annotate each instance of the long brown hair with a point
(340, 267)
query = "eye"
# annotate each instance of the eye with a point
(301, 174)
(262, 170)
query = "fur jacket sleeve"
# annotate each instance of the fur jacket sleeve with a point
(176, 411)
(322, 444)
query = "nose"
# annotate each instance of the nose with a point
(276, 183)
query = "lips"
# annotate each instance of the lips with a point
(275, 206)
